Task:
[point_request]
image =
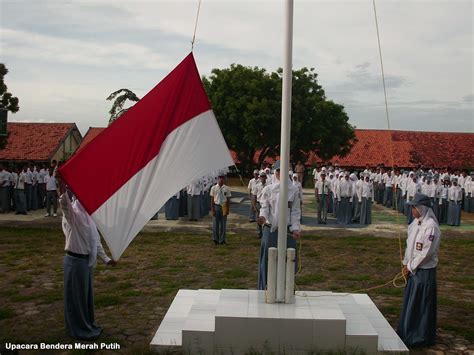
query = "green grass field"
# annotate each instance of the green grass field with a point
(132, 298)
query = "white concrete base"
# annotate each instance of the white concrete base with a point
(239, 321)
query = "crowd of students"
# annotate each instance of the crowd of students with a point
(349, 196)
(27, 188)
(352, 194)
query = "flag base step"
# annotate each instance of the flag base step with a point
(239, 322)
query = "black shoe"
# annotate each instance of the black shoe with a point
(223, 243)
(216, 242)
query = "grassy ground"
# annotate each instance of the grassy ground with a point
(133, 297)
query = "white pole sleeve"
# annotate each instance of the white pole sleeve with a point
(284, 150)
(290, 275)
(271, 276)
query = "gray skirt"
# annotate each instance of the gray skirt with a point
(172, 208)
(79, 299)
(417, 325)
(366, 211)
(454, 214)
(344, 214)
(194, 207)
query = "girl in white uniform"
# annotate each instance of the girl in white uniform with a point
(418, 318)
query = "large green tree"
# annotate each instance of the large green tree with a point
(7, 100)
(120, 97)
(247, 104)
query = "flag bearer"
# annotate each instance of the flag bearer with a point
(82, 248)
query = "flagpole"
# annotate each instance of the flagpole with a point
(284, 150)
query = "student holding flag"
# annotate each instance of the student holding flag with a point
(82, 248)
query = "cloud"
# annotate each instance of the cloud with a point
(33, 46)
(78, 51)
(468, 98)
(362, 78)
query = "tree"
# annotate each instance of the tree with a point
(7, 100)
(117, 107)
(247, 104)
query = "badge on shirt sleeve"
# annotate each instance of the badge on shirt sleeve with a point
(431, 238)
(419, 246)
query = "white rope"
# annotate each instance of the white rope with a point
(195, 26)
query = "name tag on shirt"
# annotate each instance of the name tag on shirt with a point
(419, 246)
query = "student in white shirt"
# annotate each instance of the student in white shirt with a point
(253, 181)
(4, 190)
(454, 204)
(345, 195)
(268, 218)
(194, 203)
(417, 325)
(257, 199)
(323, 194)
(19, 186)
(367, 198)
(299, 186)
(220, 204)
(470, 193)
(51, 193)
(444, 201)
(82, 248)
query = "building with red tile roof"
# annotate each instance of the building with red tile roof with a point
(39, 142)
(374, 146)
(91, 133)
(410, 149)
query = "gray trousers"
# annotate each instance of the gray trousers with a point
(51, 198)
(323, 208)
(79, 299)
(219, 222)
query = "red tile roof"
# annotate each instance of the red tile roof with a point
(34, 141)
(91, 133)
(410, 148)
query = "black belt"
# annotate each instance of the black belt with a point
(268, 225)
(82, 256)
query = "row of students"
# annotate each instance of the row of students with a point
(24, 189)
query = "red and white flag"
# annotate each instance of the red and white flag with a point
(166, 140)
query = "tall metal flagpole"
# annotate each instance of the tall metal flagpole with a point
(284, 150)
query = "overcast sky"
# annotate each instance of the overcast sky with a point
(66, 56)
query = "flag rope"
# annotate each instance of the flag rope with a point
(195, 26)
(391, 146)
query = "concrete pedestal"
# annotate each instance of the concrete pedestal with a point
(239, 321)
